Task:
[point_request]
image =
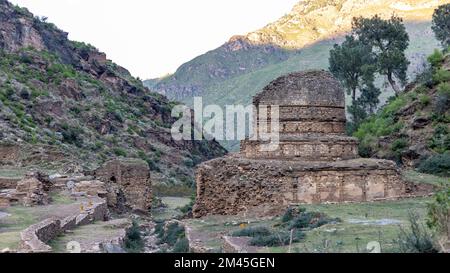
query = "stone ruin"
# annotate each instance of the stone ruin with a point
(128, 185)
(32, 190)
(315, 161)
(124, 183)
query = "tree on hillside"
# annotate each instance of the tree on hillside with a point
(352, 63)
(389, 40)
(441, 24)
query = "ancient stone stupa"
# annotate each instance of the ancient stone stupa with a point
(315, 161)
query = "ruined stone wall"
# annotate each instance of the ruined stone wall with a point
(8, 183)
(128, 184)
(9, 153)
(35, 237)
(232, 185)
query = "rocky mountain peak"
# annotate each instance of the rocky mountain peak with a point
(314, 20)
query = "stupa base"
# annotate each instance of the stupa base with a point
(233, 185)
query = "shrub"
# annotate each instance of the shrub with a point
(188, 163)
(377, 126)
(393, 106)
(119, 152)
(133, 239)
(159, 228)
(172, 234)
(437, 165)
(436, 58)
(181, 246)
(440, 142)
(417, 239)
(443, 99)
(444, 89)
(421, 89)
(187, 210)
(252, 232)
(296, 218)
(151, 163)
(438, 216)
(290, 214)
(71, 135)
(441, 75)
(399, 144)
(424, 99)
(310, 220)
(277, 239)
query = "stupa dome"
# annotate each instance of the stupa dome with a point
(306, 88)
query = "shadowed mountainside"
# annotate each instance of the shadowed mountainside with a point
(64, 105)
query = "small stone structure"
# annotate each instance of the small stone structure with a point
(128, 185)
(315, 161)
(30, 191)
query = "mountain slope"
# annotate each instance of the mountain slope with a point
(314, 20)
(234, 58)
(415, 126)
(303, 39)
(63, 105)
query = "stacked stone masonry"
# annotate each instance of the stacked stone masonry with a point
(315, 162)
(35, 238)
(128, 185)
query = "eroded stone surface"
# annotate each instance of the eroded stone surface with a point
(128, 184)
(30, 191)
(314, 162)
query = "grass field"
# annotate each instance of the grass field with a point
(20, 217)
(361, 224)
(172, 210)
(90, 235)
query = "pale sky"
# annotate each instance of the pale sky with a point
(154, 37)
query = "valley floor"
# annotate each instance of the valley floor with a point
(361, 223)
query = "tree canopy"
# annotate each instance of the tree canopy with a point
(441, 24)
(352, 64)
(389, 40)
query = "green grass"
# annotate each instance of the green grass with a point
(60, 199)
(173, 208)
(417, 177)
(87, 235)
(12, 172)
(9, 240)
(341, 237)
(10, 227)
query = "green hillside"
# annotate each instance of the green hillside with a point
(241, 89)
(413, 129)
